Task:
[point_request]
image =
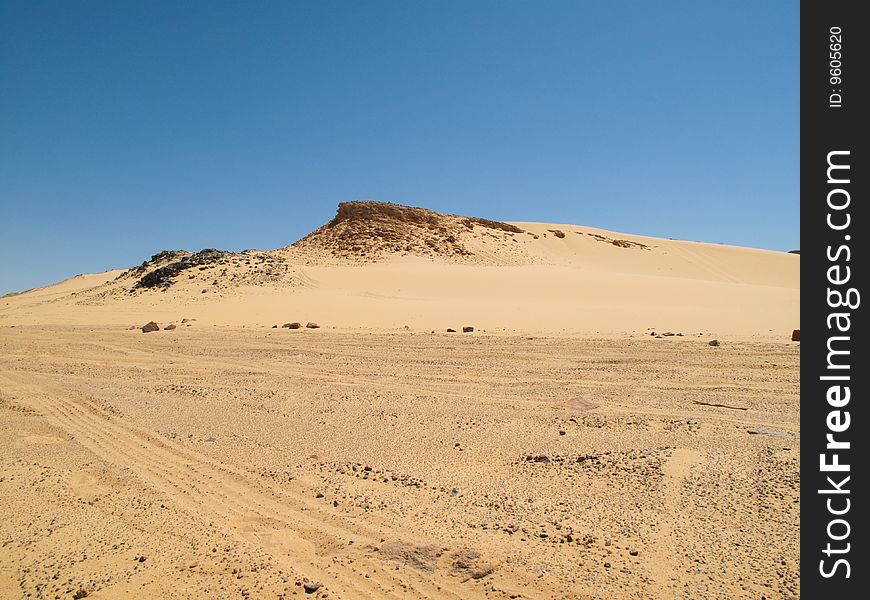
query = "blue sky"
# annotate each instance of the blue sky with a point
(131, 127)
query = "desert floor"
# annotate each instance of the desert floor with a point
(215, 462)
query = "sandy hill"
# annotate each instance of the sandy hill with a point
(380, 265)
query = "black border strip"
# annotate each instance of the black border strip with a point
(833, 269)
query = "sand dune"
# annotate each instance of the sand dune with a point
(560, 450)
(384, 266)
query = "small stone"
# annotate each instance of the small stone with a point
(311, 325)
(633, 552)
(713, 342)
(150, 326)
(311, 586)
(607, 565)
(467, 329)
(169, 327)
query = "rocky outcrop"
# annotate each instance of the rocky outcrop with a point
(372, 230)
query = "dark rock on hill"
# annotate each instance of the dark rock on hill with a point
(370, 230)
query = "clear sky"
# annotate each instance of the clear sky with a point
(131, 127)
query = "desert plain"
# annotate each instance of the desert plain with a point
(622, 422)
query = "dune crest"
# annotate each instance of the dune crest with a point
(381, 265)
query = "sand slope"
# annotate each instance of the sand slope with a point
(429, 271)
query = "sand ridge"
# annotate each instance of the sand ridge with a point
(385, 266)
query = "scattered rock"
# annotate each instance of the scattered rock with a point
(150, 326)
(467, 329)
(539, 458)
(311, 325)
(770, 432)
(169, 327)
(796, 335)
(423, 558)
(471, 564)
(292, 325)
(713, 342)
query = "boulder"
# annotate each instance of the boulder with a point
(311, 586)
(467, 329)
(796, 335)
(311, 325)
(150, 326)
(451, 331)
(293, 325)
(713, 342)
(169, 327)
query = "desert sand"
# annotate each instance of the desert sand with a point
(566, 448)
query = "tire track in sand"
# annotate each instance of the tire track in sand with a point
(663, 556)
(301, 536)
